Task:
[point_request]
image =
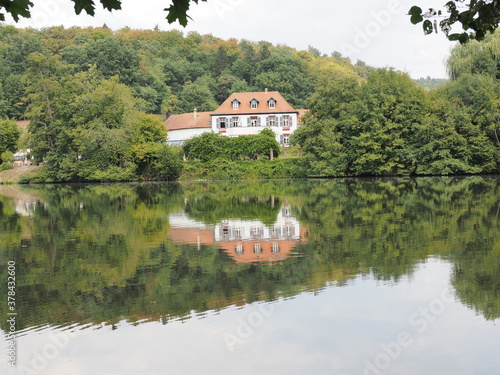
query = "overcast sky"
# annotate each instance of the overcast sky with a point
(377, 32)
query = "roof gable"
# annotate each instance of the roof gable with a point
(245, 99)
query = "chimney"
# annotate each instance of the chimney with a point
(195, 115)
(265, 90)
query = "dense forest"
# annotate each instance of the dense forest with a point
(386, 124)
(96, 99)
(90, 92)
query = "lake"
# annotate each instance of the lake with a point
(341, 277)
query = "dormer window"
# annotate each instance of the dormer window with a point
(254, 103)
(272, 103)
(236, 104)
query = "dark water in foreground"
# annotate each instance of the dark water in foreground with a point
(347, 277)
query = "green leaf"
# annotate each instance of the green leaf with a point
(111, 4)
(178, 11)
(16, 8)
(428, 28)
(416, 15)
(454, 37)
(464, 38)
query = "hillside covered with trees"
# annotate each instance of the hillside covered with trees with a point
(96, 99)
(91, 93)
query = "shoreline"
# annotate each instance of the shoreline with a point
(13, 176)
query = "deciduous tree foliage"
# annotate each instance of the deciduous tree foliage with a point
(388, 125)
(87, 128)
(9, 136)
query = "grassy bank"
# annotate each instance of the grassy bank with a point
(18, 174)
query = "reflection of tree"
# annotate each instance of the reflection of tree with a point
(101, 253)
(233, 200)
(476, 276)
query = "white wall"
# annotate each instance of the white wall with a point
(185, 134)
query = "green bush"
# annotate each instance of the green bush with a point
(222, 169)
(5, 166)
(7, 156)
(210, 146)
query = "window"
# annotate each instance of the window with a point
(222, 122)
(256, 232)
(225, 232)
(254, 121)
(253, 103)
(272, 121)
(235, 122)
(275, 247)
(275, 232)
(286, 121)
(272, 103)
(286, 139)
(236, 104)
(257, 249)
(239, 249)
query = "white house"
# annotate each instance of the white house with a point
(247, 113)
(244, 113)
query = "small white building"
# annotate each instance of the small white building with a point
(247, 113)
(187, 125)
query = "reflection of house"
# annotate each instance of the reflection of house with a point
(25, 202)
(244, 240)
(245, 113)
(186, 230)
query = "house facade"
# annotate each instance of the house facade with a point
(247, 113)
(244, 113)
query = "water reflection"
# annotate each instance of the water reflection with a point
(246, 241)
(92, 254)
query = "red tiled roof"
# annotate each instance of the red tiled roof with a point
(188, 121)
(262, 97)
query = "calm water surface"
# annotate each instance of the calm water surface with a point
(340, 277)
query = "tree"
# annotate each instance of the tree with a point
(194, 95)
(481, 58)
(362, 128)
(9, 136)
(221, 61)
